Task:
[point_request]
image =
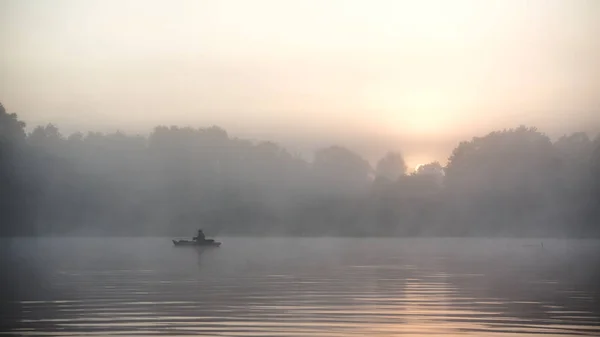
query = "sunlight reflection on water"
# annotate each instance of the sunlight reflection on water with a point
(304, 287)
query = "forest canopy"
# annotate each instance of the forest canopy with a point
(514, 182)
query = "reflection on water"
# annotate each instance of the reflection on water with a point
(301, 287)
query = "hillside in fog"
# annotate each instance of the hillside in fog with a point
(515, 182)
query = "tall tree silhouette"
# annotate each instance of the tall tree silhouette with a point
(12, 181)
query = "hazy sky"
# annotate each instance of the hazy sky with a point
(414, 76)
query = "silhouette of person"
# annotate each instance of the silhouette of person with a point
(200, 236)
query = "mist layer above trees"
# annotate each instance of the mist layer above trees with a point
(515, 182)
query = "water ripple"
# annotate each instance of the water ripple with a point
(259, 292)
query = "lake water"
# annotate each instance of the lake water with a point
(301, 287)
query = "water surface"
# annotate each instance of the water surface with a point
(301, 287)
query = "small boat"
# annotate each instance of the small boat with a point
(199, 243)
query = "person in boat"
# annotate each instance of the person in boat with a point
(200, 237)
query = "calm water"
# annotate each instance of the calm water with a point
(301, 287)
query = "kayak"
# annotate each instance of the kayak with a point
(205, 243)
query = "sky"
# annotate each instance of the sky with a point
(411, 76)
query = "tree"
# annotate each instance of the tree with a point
(575, 145)
(46, 137)
(12, 130)
(504, 179)
(575, 151)
(509, 182)
(391, 166)
(595, 159)
(341, 167)
(12, 173)
(595, 182)
(431, 175)
(433, 168)
(501, 157)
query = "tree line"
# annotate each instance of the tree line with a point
(515, 182)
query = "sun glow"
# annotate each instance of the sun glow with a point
(424, 112)
(417, 112)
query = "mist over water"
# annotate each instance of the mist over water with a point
(304, 287)
(371, 168)
(59, 191)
